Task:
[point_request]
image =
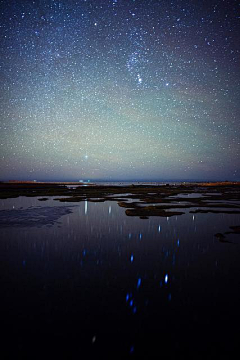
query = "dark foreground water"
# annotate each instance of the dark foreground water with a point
(86, 281)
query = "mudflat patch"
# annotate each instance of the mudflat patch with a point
(33, 216)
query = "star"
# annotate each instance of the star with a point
(148, 89)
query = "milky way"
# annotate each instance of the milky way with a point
(121, 89)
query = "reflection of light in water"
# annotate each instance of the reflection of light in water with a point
(87, 249)
(109, 209)
(139, 282)
(93, 339)
(193, 217)
(140, 236)
(167, 218)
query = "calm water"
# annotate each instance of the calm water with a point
(86, 280)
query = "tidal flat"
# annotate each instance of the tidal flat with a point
(139, 200)
(131, 270)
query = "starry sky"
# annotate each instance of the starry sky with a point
(119, 90)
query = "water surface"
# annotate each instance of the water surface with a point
(86, 279)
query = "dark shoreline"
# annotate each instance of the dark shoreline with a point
(164, 196)
(146, 200)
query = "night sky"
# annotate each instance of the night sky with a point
(121, 89)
